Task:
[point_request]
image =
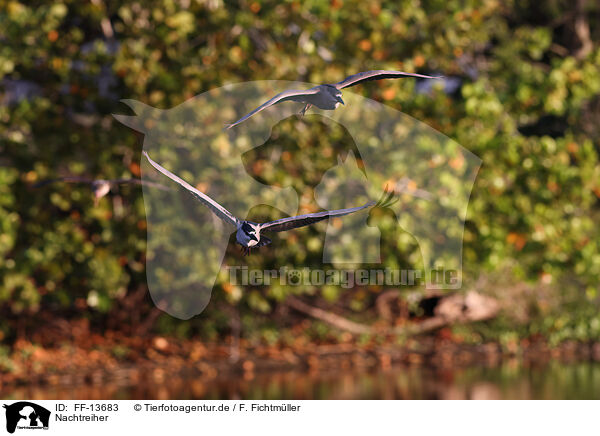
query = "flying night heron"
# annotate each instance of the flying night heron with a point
(101, 187)
(249, 234)
(328, 96)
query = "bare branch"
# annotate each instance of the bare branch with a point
(328, 317)
(456, 308)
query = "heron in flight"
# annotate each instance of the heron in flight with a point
(250, 234)
(101, 187)
(328, 96)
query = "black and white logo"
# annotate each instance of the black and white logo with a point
(26, 416)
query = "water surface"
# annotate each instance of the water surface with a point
(508, 381)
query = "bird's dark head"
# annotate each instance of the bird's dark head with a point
(250, 231)
(248, 236)
(335, 93)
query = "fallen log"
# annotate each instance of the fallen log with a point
(455, 308)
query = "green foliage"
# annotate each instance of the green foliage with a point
(529, 107)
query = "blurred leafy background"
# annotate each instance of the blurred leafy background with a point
(523, 93)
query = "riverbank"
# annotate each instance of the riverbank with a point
(114, 359)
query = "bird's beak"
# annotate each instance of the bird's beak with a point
(338, 98)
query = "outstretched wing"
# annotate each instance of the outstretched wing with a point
(217, 209)
(73, 179)
(291, 95)
(367, 76)
(294, 222)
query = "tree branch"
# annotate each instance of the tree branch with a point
(328, 317)
(456, 308)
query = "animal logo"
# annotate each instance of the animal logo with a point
(26, 415)
(187, 244)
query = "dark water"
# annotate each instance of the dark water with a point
(509, 381)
